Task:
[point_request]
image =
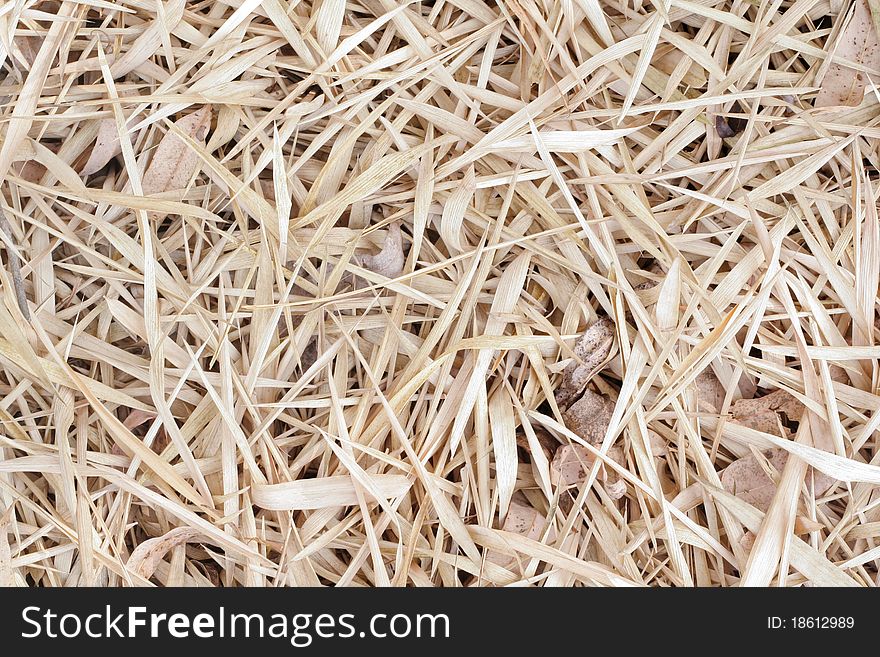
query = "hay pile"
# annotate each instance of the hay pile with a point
(452, 293)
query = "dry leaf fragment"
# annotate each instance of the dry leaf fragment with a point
(137, 418)
(107, 146)
(571, 464)
(147, 556)
(523, 519)
(389, 261)
(309, 355)
(589, 416)
(767, 413)
(710, 392)
(32, 170)
(592, 351)
(174, 162)
(747, 479)
(843, 85)
(548, 443)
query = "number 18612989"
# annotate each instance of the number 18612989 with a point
(811, 623)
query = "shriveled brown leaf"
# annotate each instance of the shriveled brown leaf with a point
(107, 146)
(747, 479)
(767, 413)
(137, 418)
(710, 392)
(591, 352)
(389, 261)
(29, 46)
(571, 465)
(147, 556)
(589, 416)
(525, 520)
(547, 442)
(174, 162)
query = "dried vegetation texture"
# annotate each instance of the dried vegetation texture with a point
(454, 293)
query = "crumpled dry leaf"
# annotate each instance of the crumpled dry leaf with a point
(389, 261)
(107, 146)
(147, 556)
(309, 355)
(843, 85)
(174, 162)
(547, 441)
(137, 418)
(589, 416)
(710, 392)
(592, 350)
(746, 479)
(32, 170)
(571, 464)
(523, 519)
(767, 413)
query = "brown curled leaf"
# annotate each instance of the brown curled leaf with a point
(589, 416)
(767, 413)
(29, 46)
(710, 392)
(548, 443)
(137, 418)
(147, 556)
(309, 355)
(389, 261)
(747, 479)
(723, 128)
(107, 146)
(571, 464)
(592, 352)
(523, 519)
(174, 162)
(32, 170)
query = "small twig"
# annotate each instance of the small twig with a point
(14, 267)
